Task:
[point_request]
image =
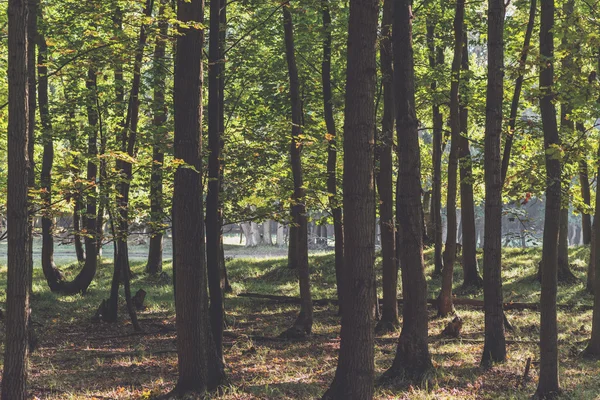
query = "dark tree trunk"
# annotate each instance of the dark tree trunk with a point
(157, 215)
(445, 305)
(412, 360)
(584, 183)
(292, 240)
(389, 316)
(334, 201)
(303, 324)
(53, 275)
(199, 367)
(436, 57)
(494, 348)
(548, 383)
(213, 209)
(471, 276)
(78, 208)
(32, 6)
(514, 107)
(593, 348)
(14, 375)
(355, 369)
(127, 140)
(591, 272)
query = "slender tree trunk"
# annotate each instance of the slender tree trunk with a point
(266, 229)
(213, 209)
(593, 348)
(436, 56)
(199, 367)
(514, 107)
(584, 183)
(32, 6)
(157, 215)
(14, 375)
(280, 235)
(591, 272)
(389, 316)
(332, 149)
(303, 324)
(445, 305)
(494, 348)
(355, 369)
(548, 383)
(467, 214)
(78, 207)
(412, 360)
(53, 275)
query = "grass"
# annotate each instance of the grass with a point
(79, 359)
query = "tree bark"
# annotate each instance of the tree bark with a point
(14, 375)
(514, 107)
(355, 369)
(303, 324)
(213, 205)
(52, 273)
(445, 305)
(199, 367)
(266, 229)
(32, 6)
(548, 383)
(584, 183)
(389, 315)
(332, 149)
(436, 57)
(412, 360)
(157, 215)
(494, 348)
(471, 276)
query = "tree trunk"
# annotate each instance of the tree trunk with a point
(334, 203)
(52, 274)
(565, 275)
(548, 383)
(213, 204)
(303, 324)
(471, 276)
(593, 348)
(157, 215)
(412, 360)
(198, 365)
(266, 229)
(14, 375)
(584, 183)
(78, 207)
(445, 305)
(255, 232)
(514, 107)
(32, 6)
(436, 56)
(355, 369)
(246, 228)
(389, 316)
(494, 348)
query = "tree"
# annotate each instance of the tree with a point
(332, 150)
(198, 364)
(548, 384)
(494, 348)
(355, 369)
(303, 324)
(389, 316)
(213, 209)
(445, 305)
(467, 214)
(14, 375)
(412, 360)
(157, 215)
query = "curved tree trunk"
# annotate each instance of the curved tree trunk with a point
(471, 276)
(389, 316)
(412, 360)
(52, 273)
(445, 305)
(303, 324)
(355, 368)
(494, 348)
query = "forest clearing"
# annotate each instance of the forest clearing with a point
(79, 359)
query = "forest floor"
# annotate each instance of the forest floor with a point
(79, 359)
